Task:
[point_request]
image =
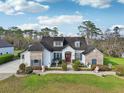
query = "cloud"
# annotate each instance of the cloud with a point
(16, 7)
(58, 20)
(30, 26)
(45, 21)
(94, 3)
(121, 1)
(50, 1)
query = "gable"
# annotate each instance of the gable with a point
(68, 48)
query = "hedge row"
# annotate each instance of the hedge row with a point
(6, 58)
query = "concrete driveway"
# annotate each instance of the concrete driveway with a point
(10, 67)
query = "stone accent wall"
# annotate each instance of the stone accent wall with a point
(95, 54)
(36, 55)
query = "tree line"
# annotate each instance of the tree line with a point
(110, 42)
(20, 39)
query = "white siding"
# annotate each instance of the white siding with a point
(47, 57)
(122, 55)
(9, 50)
(83, 59)
(68, 49)
(26, 59)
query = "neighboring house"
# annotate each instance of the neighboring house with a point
(5, 47)
(51, 49)
(122, 55)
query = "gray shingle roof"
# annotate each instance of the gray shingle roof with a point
(3, 44)
(35, 47)
(47, 42)
(88, 49)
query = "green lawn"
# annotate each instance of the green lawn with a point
(56, 83)
(114, 61)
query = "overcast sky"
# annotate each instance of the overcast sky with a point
(65, 14)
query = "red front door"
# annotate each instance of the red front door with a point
(68, 57)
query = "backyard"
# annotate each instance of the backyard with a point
(61, 83)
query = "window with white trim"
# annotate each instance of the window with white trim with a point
(57, 56)
(77, 44)
(58, 44)
(78, 56)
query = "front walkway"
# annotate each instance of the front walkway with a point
(75, 72)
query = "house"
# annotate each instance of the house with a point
(51, 49)
(122, 55)
(5, 47)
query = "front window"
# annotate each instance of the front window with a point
(78, 56)
(58, 43)
(57, 56)
(94, 61)
(77, 44)
(36, 61)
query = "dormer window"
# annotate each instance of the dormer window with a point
(77, 44)
(58, 44)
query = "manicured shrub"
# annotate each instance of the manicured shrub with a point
(101, 67)
(22, 67)
(76, 65)
(28, 70)
(120, 70)
(6, 58)
(60, 62)
(64, 66)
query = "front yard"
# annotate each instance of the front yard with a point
(65, 83)
(61, 83)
